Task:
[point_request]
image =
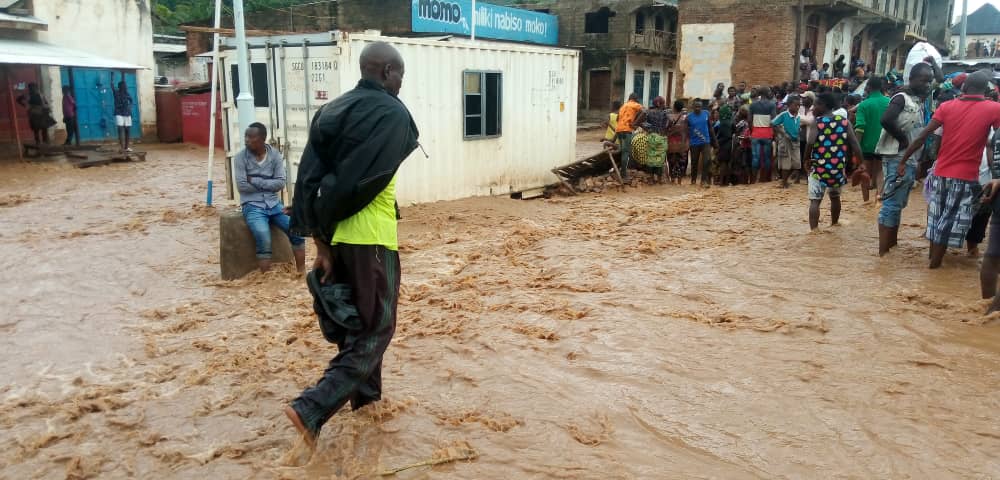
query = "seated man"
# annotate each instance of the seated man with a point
(260, 174)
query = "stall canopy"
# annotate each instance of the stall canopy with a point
(28, 52)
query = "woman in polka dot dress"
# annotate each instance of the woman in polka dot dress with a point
(830, 146)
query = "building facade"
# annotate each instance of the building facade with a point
(982, 33)
(113, 29)
(732, 41)
(627, 46)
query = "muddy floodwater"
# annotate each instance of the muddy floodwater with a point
(663, 332)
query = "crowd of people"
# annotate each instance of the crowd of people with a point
(40, 118)
(931, 131)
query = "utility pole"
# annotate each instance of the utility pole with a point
(798, 42)
(965, 23)
(214, 98)
(244, 101)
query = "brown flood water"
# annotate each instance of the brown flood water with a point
(668, 332)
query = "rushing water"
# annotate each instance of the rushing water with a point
(667, 332)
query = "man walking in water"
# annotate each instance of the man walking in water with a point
(868, 128)
(954, 185)
(902, 122)
(345, 198)
(828, 149)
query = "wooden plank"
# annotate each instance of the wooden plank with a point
(614, 167)
(564, 182)
(92, 162)
(229, 32)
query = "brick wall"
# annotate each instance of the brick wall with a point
(389, 16)
(764, 35)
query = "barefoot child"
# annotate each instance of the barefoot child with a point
(828, 148)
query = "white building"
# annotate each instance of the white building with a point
(494, 117)
(983, 31)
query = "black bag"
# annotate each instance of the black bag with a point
(332, 304)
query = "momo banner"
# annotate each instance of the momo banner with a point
(492, 21)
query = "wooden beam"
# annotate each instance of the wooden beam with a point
(229, 32)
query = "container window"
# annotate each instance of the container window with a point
(483, 104)
(258, 84)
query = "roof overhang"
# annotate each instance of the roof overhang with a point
(22, 22)
(168, 48)
(29, 52)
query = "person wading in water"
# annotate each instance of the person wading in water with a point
(345, 198)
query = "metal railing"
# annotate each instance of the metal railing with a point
(918, 31)
(655, 41)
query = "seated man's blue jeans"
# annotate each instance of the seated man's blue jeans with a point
(260, 219)
(895, 196)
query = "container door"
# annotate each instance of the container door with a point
(95, 102)
(19, 76)
(310, 80)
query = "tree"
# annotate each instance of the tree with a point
(169, 14)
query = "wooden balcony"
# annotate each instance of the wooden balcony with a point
(654, 42)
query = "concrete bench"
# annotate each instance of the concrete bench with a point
(237, 250)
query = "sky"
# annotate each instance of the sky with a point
(973, 5)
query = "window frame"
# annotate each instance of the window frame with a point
(482, 105)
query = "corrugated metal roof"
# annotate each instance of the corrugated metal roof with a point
(28, 52)
(168, 48)
(984, 21)
(6, 17)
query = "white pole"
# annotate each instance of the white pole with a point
(965, 22)
(215, 93)
(473, 20)
(244, 101)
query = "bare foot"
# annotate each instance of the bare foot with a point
(308, 436)
(974, 252)
(995, 306)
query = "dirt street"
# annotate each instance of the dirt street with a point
(664, 332)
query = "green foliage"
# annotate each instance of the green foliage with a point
(169, 14)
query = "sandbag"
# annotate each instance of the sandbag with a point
(656, 152)
(640, 147)
(917, 54)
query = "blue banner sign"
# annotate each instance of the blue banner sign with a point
(492, 21)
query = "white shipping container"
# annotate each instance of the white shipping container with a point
(536, 112)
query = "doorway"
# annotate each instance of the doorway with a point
(599, 93)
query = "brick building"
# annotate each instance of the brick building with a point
(626, 46)
(730, 41)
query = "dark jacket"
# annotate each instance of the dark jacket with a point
(356, 144)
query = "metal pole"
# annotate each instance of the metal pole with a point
(965, 23)
(473, 37)
(244, 101)
(214, 98)
(13, 115)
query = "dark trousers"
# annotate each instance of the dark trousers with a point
(700, 160)
(71, 130)
(977, 231)
(355, 374)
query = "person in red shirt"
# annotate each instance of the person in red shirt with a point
(954, 185)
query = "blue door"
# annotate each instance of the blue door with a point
(95, 102)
